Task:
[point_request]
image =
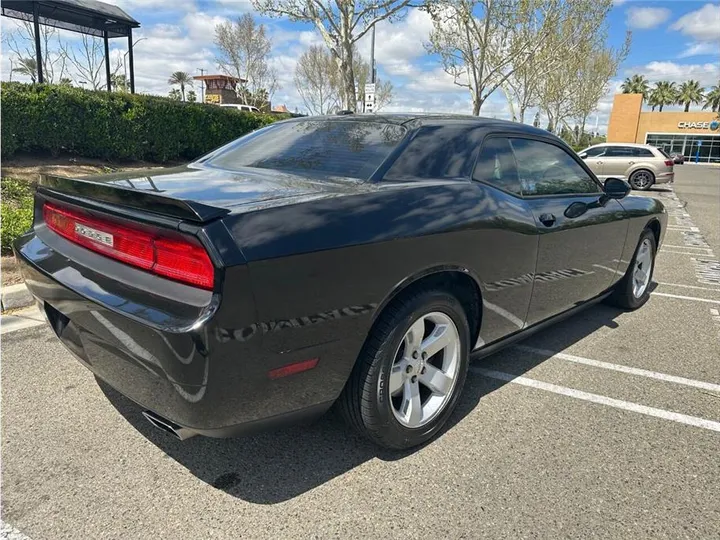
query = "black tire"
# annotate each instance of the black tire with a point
(623, 296)
(642, 179)
(365, 402)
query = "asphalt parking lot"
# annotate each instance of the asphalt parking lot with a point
(606, 425)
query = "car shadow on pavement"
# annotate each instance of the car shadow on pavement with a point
(276, 466)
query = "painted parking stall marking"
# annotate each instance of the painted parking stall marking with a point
(602, 400)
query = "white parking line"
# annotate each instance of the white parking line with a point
(602, 400)
(694, 298)
(623, 369)
(686, 286)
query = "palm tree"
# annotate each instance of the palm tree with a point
(28, 67)
(663, 94)
(181, 78)
(712, 98)
(637, 84)
(690, 92)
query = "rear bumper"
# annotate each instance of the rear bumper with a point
(665, 178)
(178, 363)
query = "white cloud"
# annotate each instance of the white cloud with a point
(702, 24)
(700, 48)
(707, 74)
(645, 18)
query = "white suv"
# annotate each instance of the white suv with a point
(246, 108)
(641, 165)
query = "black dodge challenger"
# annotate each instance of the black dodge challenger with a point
(356, 260)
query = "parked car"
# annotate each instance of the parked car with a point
(350, 259)
(641, 164)
(245, 108)
(677, 158)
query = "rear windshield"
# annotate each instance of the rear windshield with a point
(663, 152)
(316, 147)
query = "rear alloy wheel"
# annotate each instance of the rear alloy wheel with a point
(411, 371)
(642, 180)
(634, 289)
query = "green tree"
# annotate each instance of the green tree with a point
(118, 83)
(181, 78)
(175, 94)
(712, 98)
(637, 84)
(690, 92)
(191, 96)
(27, 67)
(663, 94)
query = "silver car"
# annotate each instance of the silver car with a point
(641, 165)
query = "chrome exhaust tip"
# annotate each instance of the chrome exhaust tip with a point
(168, 427)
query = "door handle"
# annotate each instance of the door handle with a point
(547, 219)
(599, 162)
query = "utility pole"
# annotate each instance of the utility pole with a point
(372, 55)
(202, 85)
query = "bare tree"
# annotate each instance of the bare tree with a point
(316, 79)
(245, 53)
(21, 42)
(87, 61)
(341, 23)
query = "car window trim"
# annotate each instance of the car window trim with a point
(572, 154)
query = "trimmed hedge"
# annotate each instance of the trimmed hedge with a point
(116, 126)
(16, 211)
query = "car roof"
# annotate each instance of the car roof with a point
(631, 145)
(415, 120)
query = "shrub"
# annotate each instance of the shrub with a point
(116, 126)
(16, 211)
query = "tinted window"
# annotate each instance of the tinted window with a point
(643, 152)
(437, 152)
(496, 165)
(619, 151)
(322, 147)
(546, 169)
(595, 152)
(663, 152)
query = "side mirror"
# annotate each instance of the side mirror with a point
(615, 188)
(583, 155)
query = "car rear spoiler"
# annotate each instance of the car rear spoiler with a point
(137, 199)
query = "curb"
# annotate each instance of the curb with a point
(16, 296)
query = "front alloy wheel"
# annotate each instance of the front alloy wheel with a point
(643, 268)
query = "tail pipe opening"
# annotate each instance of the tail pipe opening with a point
(168, 427)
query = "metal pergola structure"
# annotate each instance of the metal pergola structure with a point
(88, 17)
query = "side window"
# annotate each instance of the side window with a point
(619, 151)
(595, 152)
(642, 152)
(496, 165)
(437, 152)
(546, 169)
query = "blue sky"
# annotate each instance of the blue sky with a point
(674, 40)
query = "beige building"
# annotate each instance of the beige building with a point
(695, 134)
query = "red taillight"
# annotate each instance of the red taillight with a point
(669, 162)
(177, 258)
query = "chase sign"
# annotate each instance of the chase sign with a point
(714, 125)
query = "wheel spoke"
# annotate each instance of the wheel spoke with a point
(440, 338)
(397, 378)
(411, 406)
(414, 335)
(436, 380)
